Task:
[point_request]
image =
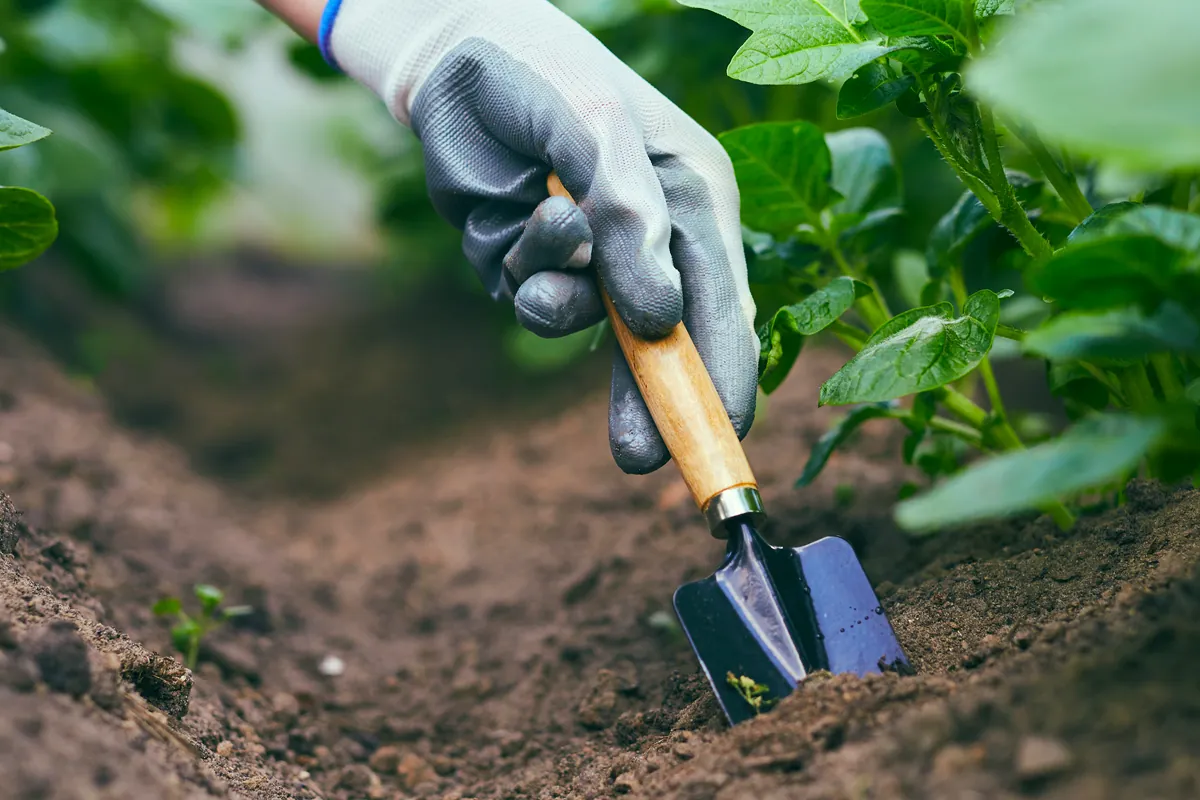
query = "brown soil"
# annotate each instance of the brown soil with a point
(493, 605)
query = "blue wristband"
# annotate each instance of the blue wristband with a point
(326, 31)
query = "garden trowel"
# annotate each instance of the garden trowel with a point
(770, 615)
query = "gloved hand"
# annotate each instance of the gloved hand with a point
(502, 91)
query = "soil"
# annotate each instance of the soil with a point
(484, 619)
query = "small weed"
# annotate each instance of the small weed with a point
(189, 631)
(753, 692)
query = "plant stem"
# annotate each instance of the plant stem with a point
(1138, 390)
(1006, 439)
(1012, 214)
(1113, 385)
(964, 432)
(1009, 332)
(849, 334)
(1063, 183)
(872, 307)
(993, 388)
(962, 407)
(1168, 376)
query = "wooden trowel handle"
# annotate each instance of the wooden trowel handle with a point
(688, 413)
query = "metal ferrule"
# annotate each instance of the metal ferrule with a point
(740, 501)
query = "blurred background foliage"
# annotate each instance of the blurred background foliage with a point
(203, 137)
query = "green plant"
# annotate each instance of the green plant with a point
(750, 690)
(27, 221)
(1105, 290)
(189, 630)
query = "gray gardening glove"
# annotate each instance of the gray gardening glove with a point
(502, 91)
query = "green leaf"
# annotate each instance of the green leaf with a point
(1097, 451)
(917, 351)
(184, 633)
(917, 17)
(1177, 229)
(991, 8)
(1099, 219)
(910, 273)
(27, 226)
(820, 49)
(236, 611)
(783, 336)
(1101, 273)
(1192, 392)
(1108, 78)
(869, 89)
(783, 170)
(209, 596)
(1075, 385)
(168, 606)
(834, 437)
(864, 171)
(1124, 333)
(761, 14)
(17, 132)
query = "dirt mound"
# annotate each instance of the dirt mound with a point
(493, 621)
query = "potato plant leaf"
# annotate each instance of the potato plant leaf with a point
(17, 132)
(1074, 384)
(917, 17)
(762, 14)
(27, 226)
(820, 49)
(1101, 273)
(1138, 56)
(1124, 333)
(835, 436)
(1099, 450)
(916, 351)
(1177, 229)
(864, 172)
(871, 88)
(783, 170)
(783, 336)
(1192, 392)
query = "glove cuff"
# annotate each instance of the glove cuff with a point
(326, 31)
(392, 46)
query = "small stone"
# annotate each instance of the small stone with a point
(414, 770)
(331, 666)
(357, 778)
(225, 748)
(18, 672)
(683, 751)
(62, 658)
(626, 784)
(599, 709)
(1041, 757)
(106, 680)
(8, 634)
(286, 708)
(443, 765)
(385, 760)
(953, 760)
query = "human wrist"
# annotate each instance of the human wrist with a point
(303, 16)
